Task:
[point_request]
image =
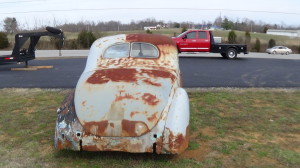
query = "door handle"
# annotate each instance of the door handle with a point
(193, 40)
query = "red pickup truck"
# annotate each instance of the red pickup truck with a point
(203, 41)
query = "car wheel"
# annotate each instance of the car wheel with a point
(231, 53)
(274, 52)
(287, 53)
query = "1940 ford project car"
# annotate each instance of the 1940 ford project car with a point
(129, 98)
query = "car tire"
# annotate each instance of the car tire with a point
(231, 53)
(287, 53)
(274, 52)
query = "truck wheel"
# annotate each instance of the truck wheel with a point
(231, 53)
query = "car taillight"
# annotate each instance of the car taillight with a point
(8, 58)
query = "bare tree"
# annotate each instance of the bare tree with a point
(10, 25)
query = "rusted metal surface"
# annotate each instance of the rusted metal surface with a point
(68, 131)
(127, 104)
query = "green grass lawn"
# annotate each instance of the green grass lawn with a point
(228, 128)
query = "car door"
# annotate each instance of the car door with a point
(203, 42)
(189, 42)
(280, 50)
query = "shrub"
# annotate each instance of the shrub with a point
(232, 37)
(257, 45)
(86, 38)
(3, 40)
(148, 31)
(247, 37)
(183, 29)
(272, 43)
(71, 44)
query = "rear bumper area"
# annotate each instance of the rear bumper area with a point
(69, 134)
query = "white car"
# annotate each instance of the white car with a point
(129, 98)
(279, 50)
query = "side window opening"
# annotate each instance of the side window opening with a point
(119, 50)
(143, 50)
(191, 35)
(202, 35)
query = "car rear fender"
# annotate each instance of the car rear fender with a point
(176, 135)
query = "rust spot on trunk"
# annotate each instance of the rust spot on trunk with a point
(126, 96)
(134, 128)
(137, 112)
(150, 99)
(115, 75)
(148, 81)
(95, 128)
(112, 125)
(153, 117)
(159, 74)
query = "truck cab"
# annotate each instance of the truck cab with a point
(193, 41)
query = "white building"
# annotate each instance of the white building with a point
(290, 33)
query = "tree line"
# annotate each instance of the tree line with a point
(10, 25)
(88, 29)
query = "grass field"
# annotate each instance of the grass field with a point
(228, 128)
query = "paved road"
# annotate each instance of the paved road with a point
(205, 70)
(84, 53)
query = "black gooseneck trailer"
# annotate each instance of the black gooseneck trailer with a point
(20, 54)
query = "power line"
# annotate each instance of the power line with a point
(8, 2)
(107, 9)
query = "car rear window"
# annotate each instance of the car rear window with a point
(119, 50)
(143, 50)
(137, 50)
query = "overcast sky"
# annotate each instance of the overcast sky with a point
(48, 12)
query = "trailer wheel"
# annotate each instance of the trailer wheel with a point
(53, 30)
(231, 53)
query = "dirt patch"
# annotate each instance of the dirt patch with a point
(199, 154)
(289, 141)
(205, 149)
(208, 131)
(45, 150)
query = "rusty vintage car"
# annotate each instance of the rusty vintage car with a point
(129, 98)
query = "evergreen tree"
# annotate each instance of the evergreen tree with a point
(232, 37)
(3, 40)
(247, 37)
(272, 43)
(86, 38)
